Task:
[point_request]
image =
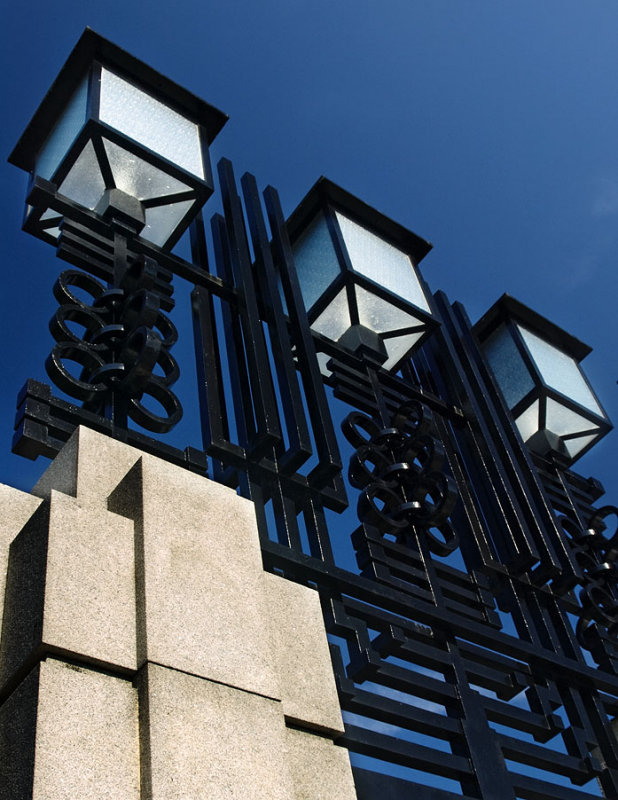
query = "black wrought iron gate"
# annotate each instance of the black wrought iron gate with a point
(475, 646)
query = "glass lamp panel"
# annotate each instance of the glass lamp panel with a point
(137, 177)
(507, 365)
(381, 262)
(63, 134)
(50, 214)
(379, 315)
(334, 321)
(398, 347)
(560, 371)
(575, 446)
(84, 182)
(145, 119)
(562, 421)
(528, 422)
(162, 221)
(55, 232)
(316, 261)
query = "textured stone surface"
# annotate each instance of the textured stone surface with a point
(71, 587)
(86, 743)
(88, 467)
(16, 508)
(203, 740)
(202, 608)
(320, 770)
(90, 588)
(308, 690)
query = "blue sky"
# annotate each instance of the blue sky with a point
(489, 128)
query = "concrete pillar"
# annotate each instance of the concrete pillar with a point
(145, 654)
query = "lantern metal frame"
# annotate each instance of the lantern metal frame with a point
(326, 198)
(92, 54)
(512, 313)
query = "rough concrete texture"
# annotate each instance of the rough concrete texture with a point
(71, 587)
(16, 508)
(86, 743)
(89, 467)
(200, 575)
(320, 770)
(205, 740)
(308, 691)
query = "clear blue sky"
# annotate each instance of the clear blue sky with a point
(489, 128)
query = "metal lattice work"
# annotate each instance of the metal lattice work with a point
(486, 582)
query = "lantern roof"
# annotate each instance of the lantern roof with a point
(508, 307)
(325, 191)
(92, 47)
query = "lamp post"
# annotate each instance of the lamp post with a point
(116, 137)
(486, 582)
(536, 365)
(358, 272)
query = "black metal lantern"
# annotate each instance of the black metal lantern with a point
(114, 133)
(357, 271)
(536, 365)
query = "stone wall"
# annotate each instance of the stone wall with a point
(144, 652)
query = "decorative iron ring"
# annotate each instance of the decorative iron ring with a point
(168, 331)
(392, 438)
(110, 299)
(73, 277)
(82, 354)
(445, 546)
(427, 451)
(141, 309)
(359, 474)
(110, 374)
(154, 422)
(415, 413)
(441, 489)
(82, 315)
(169, 365)
(386, 519)
(108, 336)
(356, 422)
(140, 354)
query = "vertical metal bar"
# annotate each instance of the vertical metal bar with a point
(268, 431)
(329, 465)
(296, 424)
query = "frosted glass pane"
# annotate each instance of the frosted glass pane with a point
(381, 262)
(335, 320)
(507, 365)
(63, 134)
(316, 261)
(562, 421)
(560, 371)
(398, 347)
(379, 315)
(575, 446)
(323, 360)
(84, 182)
(162, 221)
(50, 214)
(528, 422)
(138, 115)
(137, 177)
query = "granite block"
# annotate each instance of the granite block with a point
(308, 691)
(69, 732)
(205, 741)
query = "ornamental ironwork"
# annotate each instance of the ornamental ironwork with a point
(474, 643)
